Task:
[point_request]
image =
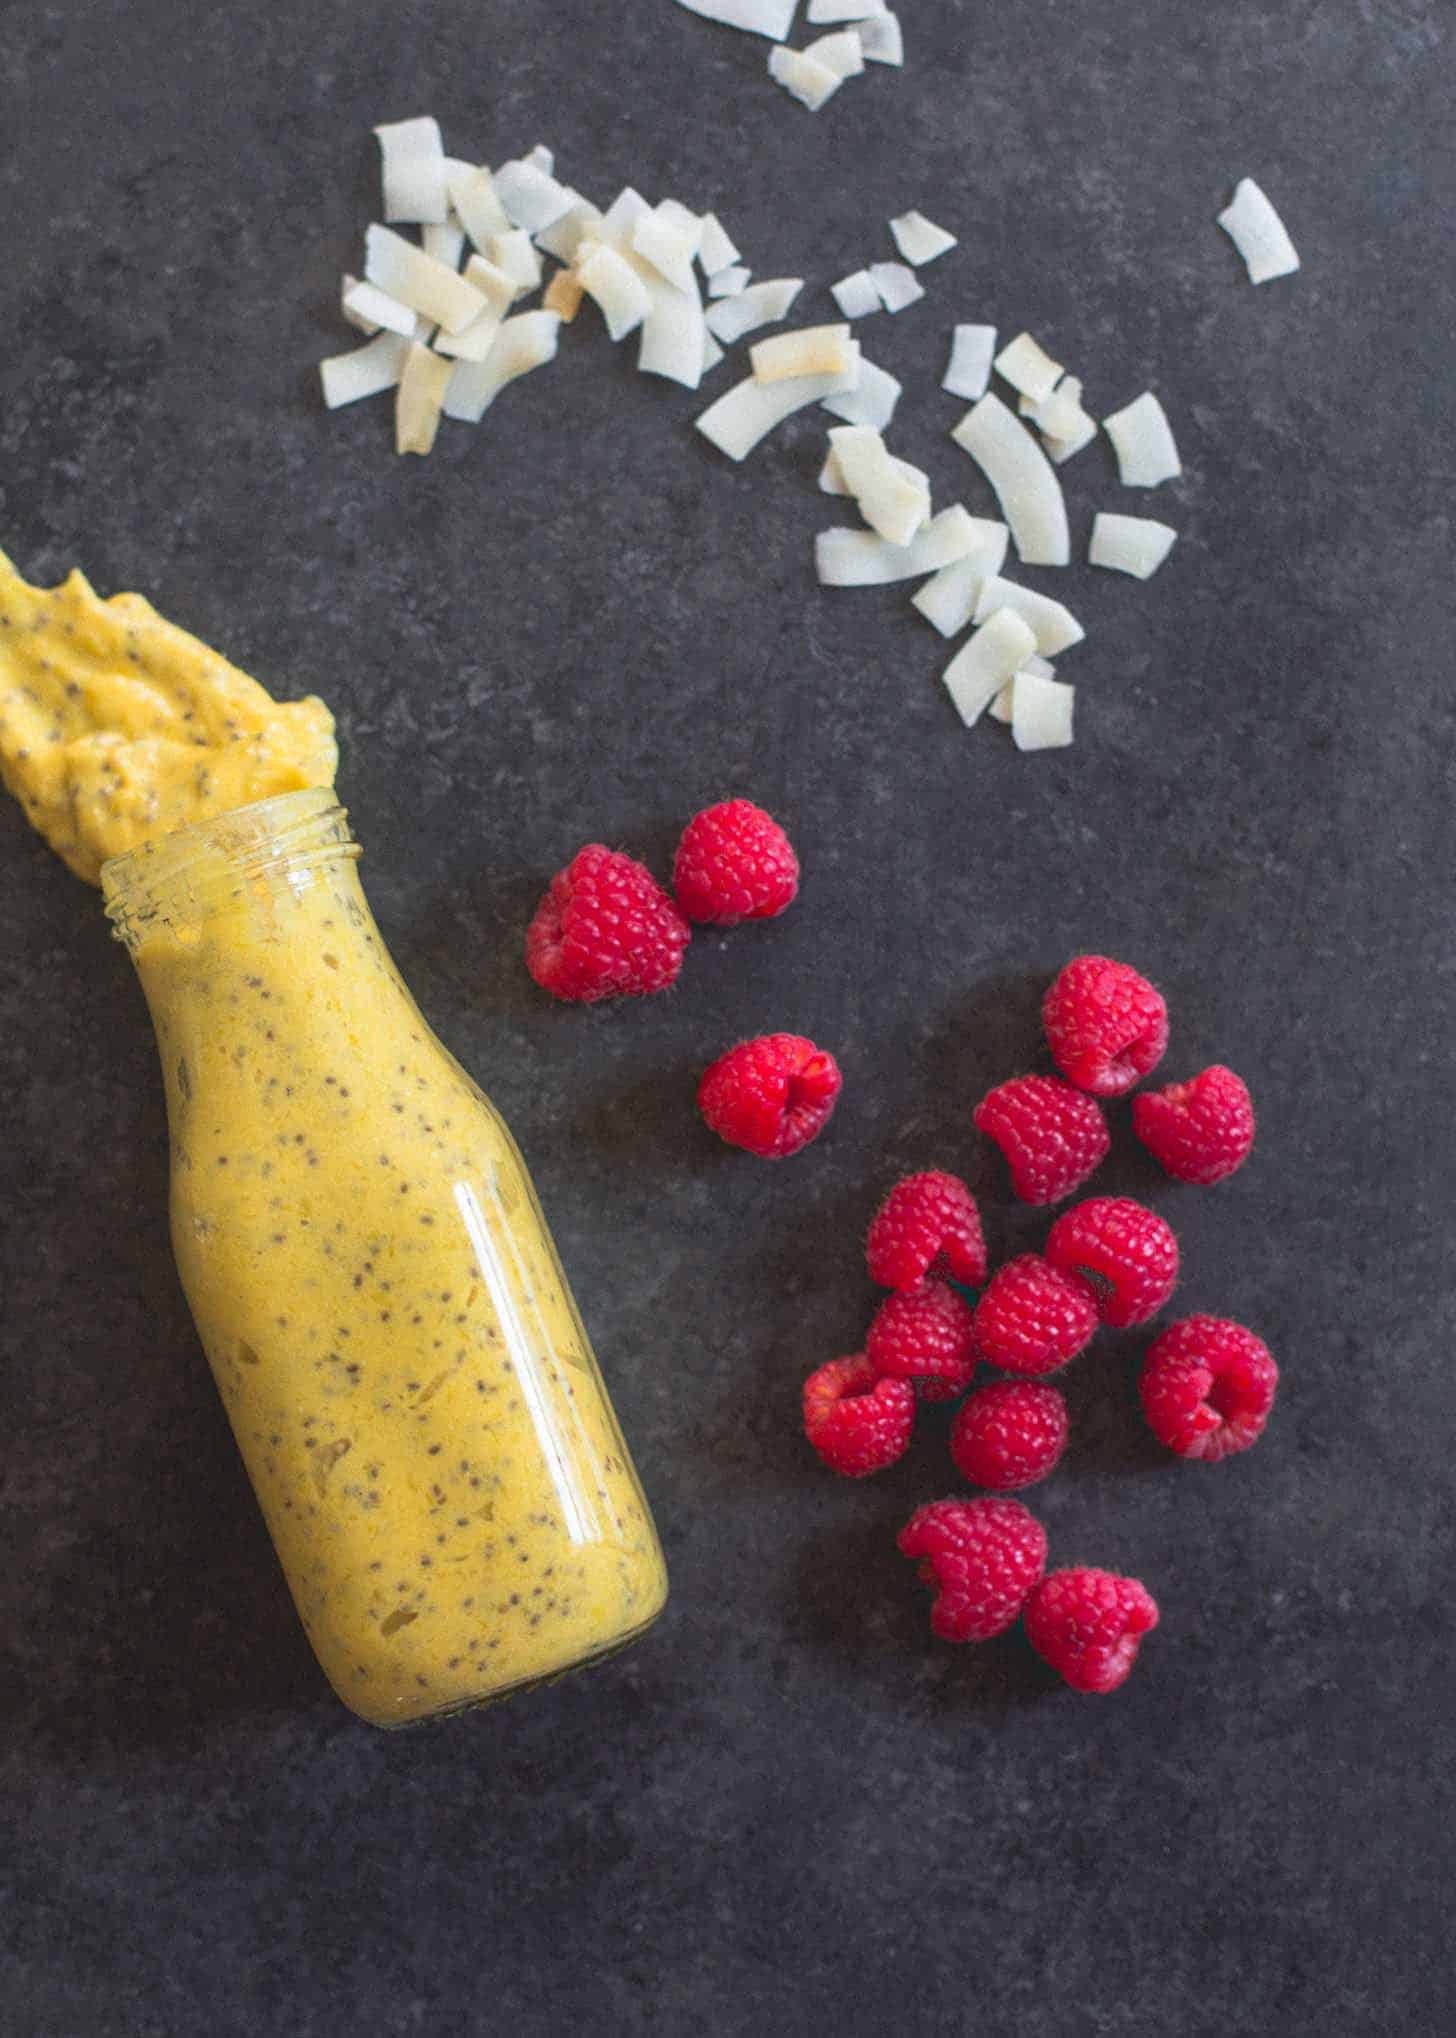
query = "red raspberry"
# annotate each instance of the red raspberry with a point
(925, 1333)
(1106, 1025)
(1033, 1318)
(1088, 1624)
(605, 927)
(1009, 1434)
(1125, 1251)
(1052, 1136)
(771, 1095)
(1200, 1131)
(857, 1422)
(1208, 1387)
(983, 1556)
(734, 863)
(928, 1224)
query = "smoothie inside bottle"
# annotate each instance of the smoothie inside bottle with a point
(402, 1362)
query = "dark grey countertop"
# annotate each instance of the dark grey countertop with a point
(787, 1810)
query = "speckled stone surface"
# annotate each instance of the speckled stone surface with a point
(788, 1810)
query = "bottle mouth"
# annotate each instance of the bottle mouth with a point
(198, 871)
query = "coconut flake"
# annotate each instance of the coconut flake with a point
(812, 350)
(842, 53)
(729, 282)
(1027, 367)
(919, 239)
(972, 350)
(1054, 627)
(563, 295)
(564, 238)
(616, 288)
(407, 273)
(515, 256)
(856, 294)
(895, 285)
(673, 333)
(356, 319)
(849, 558)
(479, 211)
(760, 305)
(986, 661)
(523, 343)
(1259, 234)
(745, 414)
(444, 243)
(881, 40)
(832, 482)
(804, 79)
(1135, 545)
(1001, 709)
(1143, 441)
(364, 371)
(500, 293)
(622, 215)
(871, 401)
(716, 251)
(772, 18)
(821, 11)
(888, 501)
(366, 301)
(532, 200)
(948, 600)
(1041, 712)
(669, 246)
(413, 172)
(1026, 487)
(1064, 425)
(541, 158)
(422, 388)
(712, 352)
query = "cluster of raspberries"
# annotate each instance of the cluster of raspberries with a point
(1207, 1385)
(606, 928)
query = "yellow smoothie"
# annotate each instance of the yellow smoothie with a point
(405, 1370)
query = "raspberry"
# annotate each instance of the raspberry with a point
(1033, 1318)
(771, 1095)
(925, 1333)
(734, 863)
(605, 927)
(1200, 1131)
(1052, 1136)
(1088, 1624)
(1106, 1025)
(1126, 1253)
(928, 1224)
(1009, 1434)
(857, 1422)
(1207, 1388)
(983, 1556)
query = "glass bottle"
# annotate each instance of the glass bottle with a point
(405, 1370)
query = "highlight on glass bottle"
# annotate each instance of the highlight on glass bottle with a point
(403, 1364)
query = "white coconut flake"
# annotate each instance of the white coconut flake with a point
(856, 294)
(479, 211)
(716, 251)
(761, 304)
(532, 199)
(1002, 709)
(670, 247)
(948, 600)
(444, 243)
(347, 284)
(871, 401)
(514, 254)
(500, 292)
(1143, 440)
(849, 558)
(422, 388)
(895, 285)
(1026, 487)
(812, 84)
(413, 172)
(919, 239)
(773, 18)
(749, 411)
(832, 482)
(1054, 627)
(564, 238)
(615, 287)
(541, 158)
(812, 350)
(365, 301)
(729, 282)
(881, 40)
(364, 371)
(622, 215)
(986, 661)
(407, 273)
(821, 11)
(1135, 545)
(674, 333)
(1041, 713)
(1259, 234)
(1064, 425)
(972, 352)
(1027, 367)
(712, 352)
(842, 52)
(523, 343)
(888, 500)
